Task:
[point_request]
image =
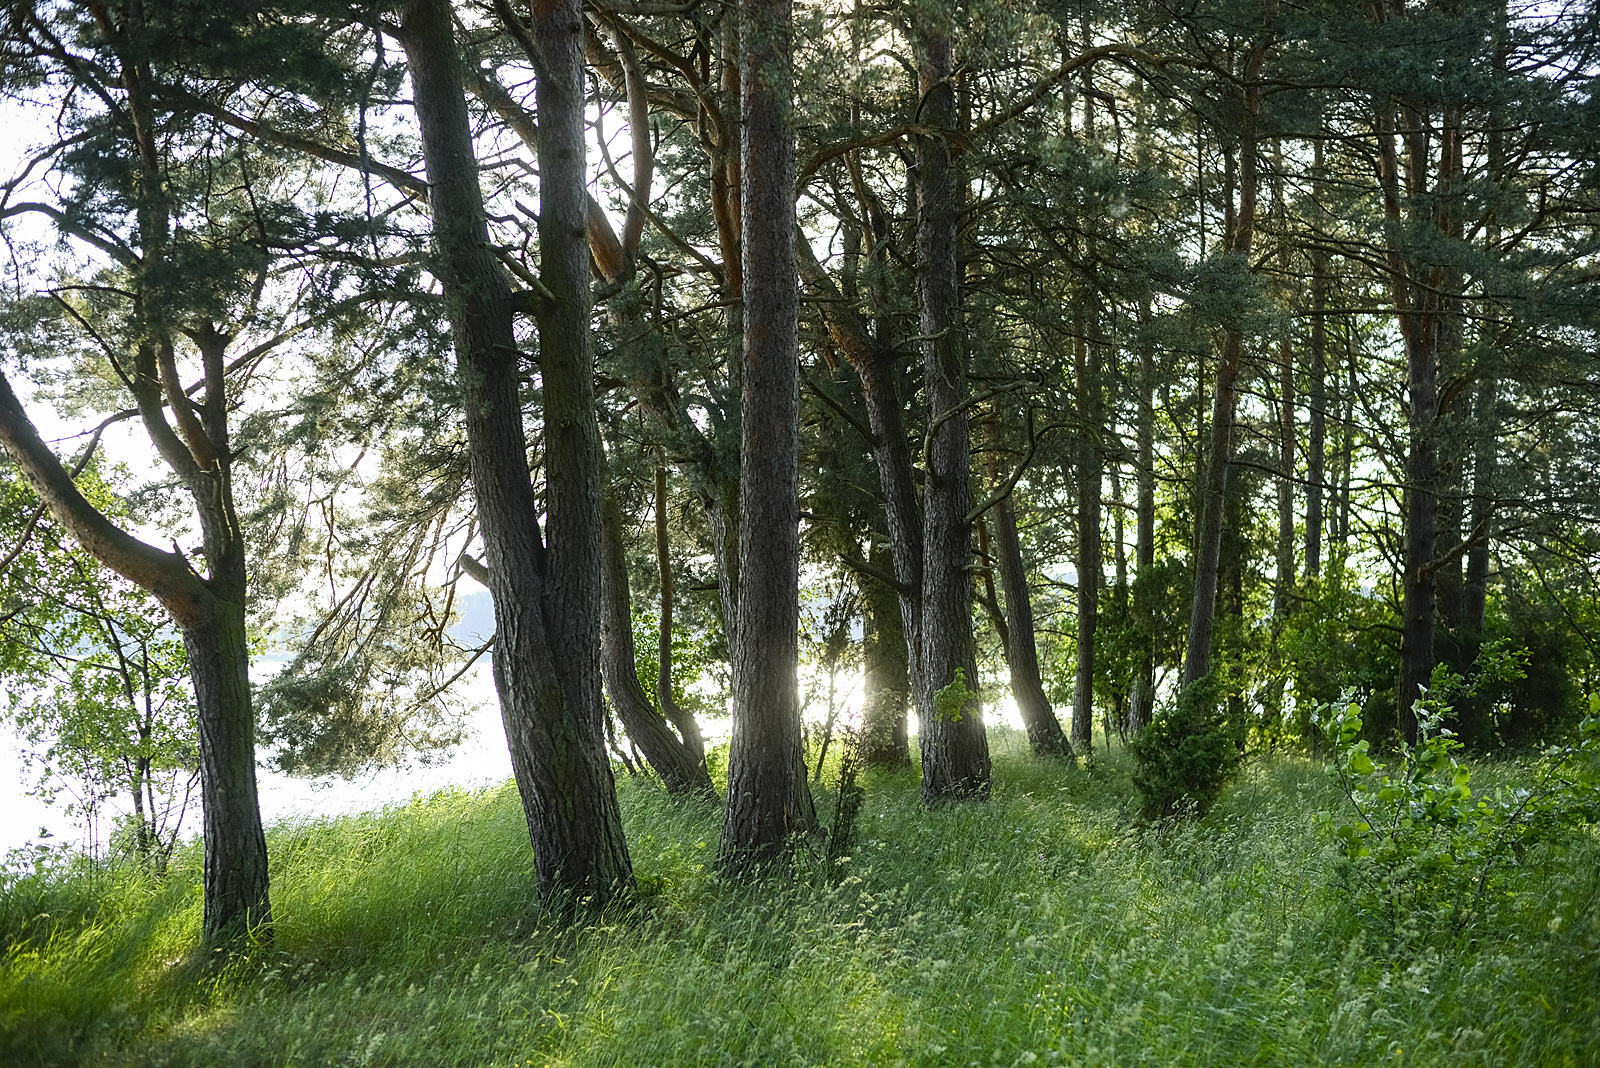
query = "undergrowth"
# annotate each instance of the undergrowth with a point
(1046, 927)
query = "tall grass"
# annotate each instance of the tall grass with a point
(1043, 928)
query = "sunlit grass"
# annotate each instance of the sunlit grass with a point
(1043, 928)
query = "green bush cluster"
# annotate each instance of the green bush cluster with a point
(1184, 758)
(1420, 841)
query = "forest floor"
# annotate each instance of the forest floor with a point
(1044, 928)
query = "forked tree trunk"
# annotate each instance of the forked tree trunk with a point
(546, 600)
(769, 802)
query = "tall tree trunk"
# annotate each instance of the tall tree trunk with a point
(1144, 682)
(546, 600)
(1219, 459)
(1089, 563)
(707, 458)
(680, 769)
(1219, 462)
(955, 748)
(873, 357)
(769, 801)
(1022, 653)
(1418, 290)
(1316, 394)
(1486, 414)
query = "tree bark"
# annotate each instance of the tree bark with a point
(955, 748)
(1418, 290)
(769, 802)
(875, 364)
(546, 600)
(210, 614)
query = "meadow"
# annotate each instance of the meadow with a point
(1048, 927)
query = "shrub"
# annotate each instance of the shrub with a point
(1184, 758)
(1417, 838)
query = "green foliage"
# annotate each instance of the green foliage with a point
(1186, 756)
(699, 658)
(1340, 638)
(952, 702)
(1420, 841)
(1039, 929)
(95, 677)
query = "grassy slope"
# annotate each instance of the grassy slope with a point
(1040, 929)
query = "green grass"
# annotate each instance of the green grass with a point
(1042, 928)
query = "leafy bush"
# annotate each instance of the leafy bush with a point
(1185, 757)
(1416, 836)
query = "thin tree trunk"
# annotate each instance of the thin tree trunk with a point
(546, 601)
(1486, 403)
(1143, 699)
(1486, 424)
(1089, 560)
(1418, 306)
(955, 748)
(769, 802)
(1317, 386)
(1219, 459)
(1022, 653)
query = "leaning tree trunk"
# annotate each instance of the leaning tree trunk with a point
(769, 802)
(210, 614)
(875, 363)
(955, 749)
(1022, 652)
(680, 769)
(209, 611)
(546, 600)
